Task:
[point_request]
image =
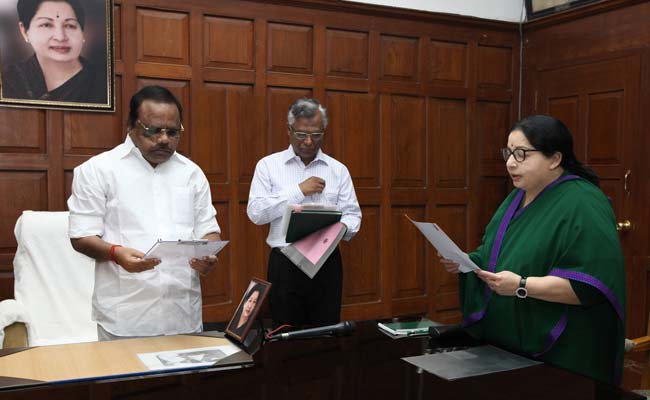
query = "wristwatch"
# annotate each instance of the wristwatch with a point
(521, 291)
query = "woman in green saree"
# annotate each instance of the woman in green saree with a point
(552, 283)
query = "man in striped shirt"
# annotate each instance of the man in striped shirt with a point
(303, 174)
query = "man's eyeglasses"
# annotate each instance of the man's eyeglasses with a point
(315, 136)
(519, 153)
(151, 131)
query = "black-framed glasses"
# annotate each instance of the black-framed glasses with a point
(151, 131)
(315, 136)
(519, 153)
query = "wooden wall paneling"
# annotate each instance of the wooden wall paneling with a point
(162, 36)
(251, 253)
(290, 48)
(362, 268)
(24, 131)
(228, 43)
(354, 130)
(217, 289)
(408, 134)
(399, 58)
(448, 63)
(409, 286)
(211, 147)
(447, 121)
(494, 120)
(347, 53)
(22, 190)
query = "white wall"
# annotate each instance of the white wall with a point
(504, 10)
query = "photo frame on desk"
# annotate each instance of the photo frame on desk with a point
(249, 306)
(66, 63)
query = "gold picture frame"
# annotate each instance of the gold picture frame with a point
(42, 43)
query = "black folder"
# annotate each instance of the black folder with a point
(305, 222)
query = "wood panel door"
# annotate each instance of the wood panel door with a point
(599, 103)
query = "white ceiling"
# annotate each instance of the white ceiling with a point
(503, 10)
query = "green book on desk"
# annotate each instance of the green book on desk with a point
(408, 328)
(305, 222)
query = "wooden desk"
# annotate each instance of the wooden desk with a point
(52, 364)
(366, 365)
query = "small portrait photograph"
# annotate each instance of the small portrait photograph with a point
(246, 312)
(57, 54)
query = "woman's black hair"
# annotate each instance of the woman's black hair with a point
(27, 9)
(550, 135)
(155, 93)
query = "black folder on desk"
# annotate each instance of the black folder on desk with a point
(306, 222)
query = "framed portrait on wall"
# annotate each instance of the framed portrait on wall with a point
(57, 54)
(540, 8)
(249, 306)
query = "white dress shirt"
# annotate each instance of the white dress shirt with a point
(121, 198)
(276, 184)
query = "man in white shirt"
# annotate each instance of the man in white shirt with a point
(303, 174)
(124, 200)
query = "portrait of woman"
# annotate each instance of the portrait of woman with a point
(551, 284)
(248, 308)
(55, 71)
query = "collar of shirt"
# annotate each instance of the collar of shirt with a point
(128, 147)
(289, 155)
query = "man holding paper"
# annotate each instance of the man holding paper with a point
(122, 202)
(303, 174)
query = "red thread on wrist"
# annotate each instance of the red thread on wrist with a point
(111, 252)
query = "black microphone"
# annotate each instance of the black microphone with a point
(342, 328)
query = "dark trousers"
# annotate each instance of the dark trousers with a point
(297, 300)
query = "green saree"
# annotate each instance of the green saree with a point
(567, 231)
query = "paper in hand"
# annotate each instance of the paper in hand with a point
(445, 246)
(185, 249)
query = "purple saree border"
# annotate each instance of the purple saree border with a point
(510, 214)
(590, 280)
(555, 334)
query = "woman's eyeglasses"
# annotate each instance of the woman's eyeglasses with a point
(151, 131)
(519, 153)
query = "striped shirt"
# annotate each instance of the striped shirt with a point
(276, 184)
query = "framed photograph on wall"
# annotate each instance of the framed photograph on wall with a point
(57, 54)
(248, 308)
(540, 8)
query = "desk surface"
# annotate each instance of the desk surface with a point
(94, 359)
(365, 365)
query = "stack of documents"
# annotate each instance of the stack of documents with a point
(407, 328)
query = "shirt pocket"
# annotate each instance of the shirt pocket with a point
(182, 203)
(331, 198)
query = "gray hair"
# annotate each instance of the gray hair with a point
(306, 108)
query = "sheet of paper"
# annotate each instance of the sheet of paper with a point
(185, 249)
(445, 246)
(474, 361)
(186, 358)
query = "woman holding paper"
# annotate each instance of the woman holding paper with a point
(552, 282)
